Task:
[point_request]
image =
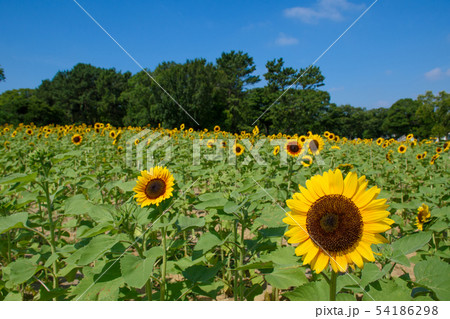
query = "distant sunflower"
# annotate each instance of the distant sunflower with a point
(380, 140)
(136, 141)
(293, 148)
(302, 139)
(119, 148)
(182, 127)
(112, 134)
(217, 128)
(331, 136)
(307, 161)
(446, 146)
(238, 149)
(210, 143)
(255, 130)
(315, 144)
(276, 150)
(7, 144)
(154, 186)
(224, 144)
(29, 131)
(424, 154)
(434, 158)
(419, 157)
(385, 144)
(402, 149)
(335, 147)
(77, 139)
(409, 136)
(335, 221)
(423, 215)
(438, 150)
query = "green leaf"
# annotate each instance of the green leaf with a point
(407, 245)
(95, 249)
(135, 270)
(212, 203)
(21, 270)
(206, 242)
(77, 205)
(283, 256)
(186, 222)
(18, 178)
(313, 291)
(96, 230)
(395, 289)
(210, 196)
(284, 278)
(370, 273)
(433, 274)
(200, 273)
(13, 221)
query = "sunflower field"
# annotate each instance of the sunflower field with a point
(318, 218)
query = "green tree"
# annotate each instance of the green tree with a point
(237, 70)
(2, 74)
(433, 114)
(400, 118)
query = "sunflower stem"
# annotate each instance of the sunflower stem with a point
(333, 282)
(164, 264)
(289, 177)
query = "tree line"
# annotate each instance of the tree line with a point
(224, 93)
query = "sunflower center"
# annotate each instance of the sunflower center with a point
(155, 188)
(335, 223)
(293, 148)
(76, 139)
(238, 149)
(314, 145)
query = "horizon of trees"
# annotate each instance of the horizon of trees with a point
(217, 94)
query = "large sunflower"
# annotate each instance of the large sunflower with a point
(315, 144)
(335, 221)
(154, 186)
(293, 148)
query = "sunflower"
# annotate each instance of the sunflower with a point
(224, 144)
(77, 139)
(419, 156)
(29, 131)
(307, 161)
(336, 220)
(315, 144)
(402, 149)
(335, 147)
(438, 150)
(446, 146)
(302, 139)
(210, 143)
(293, 148)
(154, 186)
(276, 150)
(182, 127)
(331, 136)
(410, 136)
(385, 144)
(238, 149)
(6, 144)
(136, 141)
(119, 148)
(217, 128)
(423, 215)
(112, 134)
(424, 154)
(434, 158)
(380, 141)
(255, 130)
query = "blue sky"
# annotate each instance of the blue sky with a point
(398, 49)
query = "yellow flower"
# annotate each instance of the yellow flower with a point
(423, 215)
(335, 147)
(380, 141)
(255, 130)
(307, 161)
(77, 139)
(182, 127)
(438, 150)
(315, 143)
(238, 149)
(293, 148)
(402, 149)
(276, 150)
(154, 186)
(335, 221)
(210, 143)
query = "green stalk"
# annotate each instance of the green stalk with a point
(235, 284)
(52, 232)
(241, 263)
(289, 176)
(148, 283)
(8, 234)
(164, 264)
(333, 282)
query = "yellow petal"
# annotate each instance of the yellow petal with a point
(365, 251)
(356, 258)
(341, 262)
(307, 194)
(366, 197)
(333, 263)
(297, 206)
(350, 185)
(321, 262)
(304, 248)
(310, 255)
(374, 216)
(316, 185)
(377, 227)
(295, 220)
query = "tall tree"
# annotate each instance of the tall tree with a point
(400, 118)
(2, 74)
(237, 69)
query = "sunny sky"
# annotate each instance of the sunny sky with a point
(398, 49)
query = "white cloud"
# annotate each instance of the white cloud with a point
(436, 74)
(284, 40)
(324, 9)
